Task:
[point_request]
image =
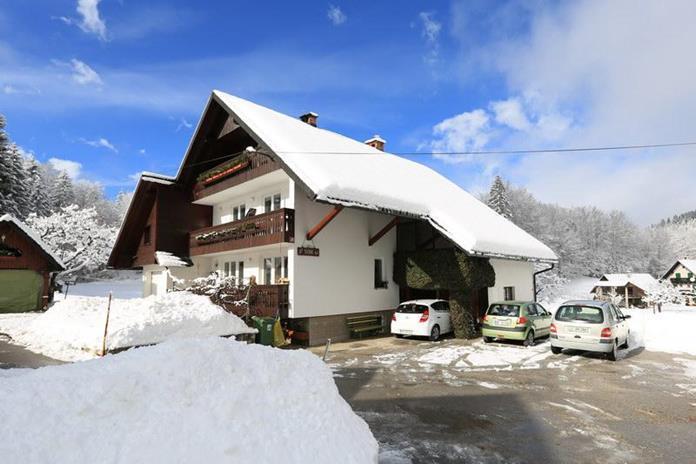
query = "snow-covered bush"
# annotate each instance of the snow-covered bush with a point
(663, 293)
(77, 236)
(223, 291)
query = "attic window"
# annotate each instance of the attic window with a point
(146, 236)
(7, 251)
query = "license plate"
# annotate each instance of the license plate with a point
(581, 330)
(502, 323)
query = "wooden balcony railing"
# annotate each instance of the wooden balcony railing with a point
(232, 173)
(269, 300)
(264, 229)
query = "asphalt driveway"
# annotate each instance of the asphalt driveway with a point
(459, 401)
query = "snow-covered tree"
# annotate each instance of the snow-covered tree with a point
(663, 293)
(61, 192)
(39, 203)
(77, 236)
(498, 198)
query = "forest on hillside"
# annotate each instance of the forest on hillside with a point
(592, 242)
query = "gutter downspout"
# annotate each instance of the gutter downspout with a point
(535, 276)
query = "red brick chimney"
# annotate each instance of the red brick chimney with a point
(310, 118)
(376, 142)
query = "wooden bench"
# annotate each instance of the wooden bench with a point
(359, 326)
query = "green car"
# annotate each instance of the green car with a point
(516, 320)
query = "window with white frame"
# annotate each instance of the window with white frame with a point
(275, 269)
(234, 270)
(272, 203)
(509, 293)
(238, 212)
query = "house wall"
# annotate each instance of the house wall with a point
(508, 273)
(341, 279)
(222, 211)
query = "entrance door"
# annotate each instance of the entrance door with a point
(20, 290)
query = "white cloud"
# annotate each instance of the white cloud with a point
(183, 124)
(71, 168)
(510, 113)
(430, 30)
(83, 74)
(461, 133)
(335, 15)
(582, 79)
(142, 151)
(91, 20)
(100, 143)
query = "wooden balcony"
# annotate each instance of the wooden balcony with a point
(269, 300)
(264, 229)
(232, 173)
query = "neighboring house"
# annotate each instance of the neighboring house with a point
(27, 268)
(682, 275)
(631, 288)
(328, 227)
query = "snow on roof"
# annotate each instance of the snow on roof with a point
(158, 178)
(375, 138)
(340, 170)
(643, 281)
(33, 236)
(166, 259)
(690, 264)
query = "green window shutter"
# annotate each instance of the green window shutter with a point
(677, 275)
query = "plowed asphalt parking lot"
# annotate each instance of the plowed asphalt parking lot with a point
(465, 401)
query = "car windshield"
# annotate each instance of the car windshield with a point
(411, 308)
(506, 310)
(589, 314)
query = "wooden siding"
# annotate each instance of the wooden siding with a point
(264, 229)
(258, 166)
(32, 258)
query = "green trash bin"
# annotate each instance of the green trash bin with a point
(265, 327)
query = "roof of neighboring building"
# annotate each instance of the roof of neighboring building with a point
(34, 238)
(166, 259)
(640, 280)
(690, 264)
(339, 170)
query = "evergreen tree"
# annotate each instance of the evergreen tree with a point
(498, 198)
(38, 197)
(61, 192)
(13, 189)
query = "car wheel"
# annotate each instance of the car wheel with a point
(529, 341)
(487, 339)
(434, 333)
(556, 349)
(614, 353)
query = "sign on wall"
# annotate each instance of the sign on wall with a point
(308, 251)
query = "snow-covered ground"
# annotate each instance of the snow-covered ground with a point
(126, 285)
(73, 329)
(196, 400)
(671, 331)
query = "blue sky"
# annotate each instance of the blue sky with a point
(118, 85)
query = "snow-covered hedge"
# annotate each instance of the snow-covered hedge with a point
(73, 328)
(196, 400)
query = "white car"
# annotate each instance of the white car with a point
(425, 318)
(589, 326)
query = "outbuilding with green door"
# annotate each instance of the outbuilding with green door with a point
(27, 268)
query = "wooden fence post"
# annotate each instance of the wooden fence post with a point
(106, 326)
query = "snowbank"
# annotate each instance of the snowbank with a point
(196, 400)
(670, 331)
(72, 329)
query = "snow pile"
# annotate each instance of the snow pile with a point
(197, 400)
(670, 331)
(73, 329)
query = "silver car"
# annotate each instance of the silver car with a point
(589, 325)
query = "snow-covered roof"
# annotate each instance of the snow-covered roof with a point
(166, 259)
(158, 178)
(642, 281)
(690, 264)
(33, 236)
(375, 138)
(340, 170)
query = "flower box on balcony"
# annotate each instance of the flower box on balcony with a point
(224, 170)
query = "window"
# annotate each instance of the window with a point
(267, 269)
(509, 293)
(276, 201)
(226, 268)
(267, 205)
(379, 274)
(235, 213)
(541, 310)
(441, 306)
(278, 264)
(504, 310)
(590, 314)
(146, 236)
(531, 310)
(271, 203)
(240, 272)
(238, 212)
(285, 267)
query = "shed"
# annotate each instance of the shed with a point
(27, 268)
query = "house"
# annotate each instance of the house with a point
(682, 276)
(631, 288)
(328, 227)
(27, 268)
